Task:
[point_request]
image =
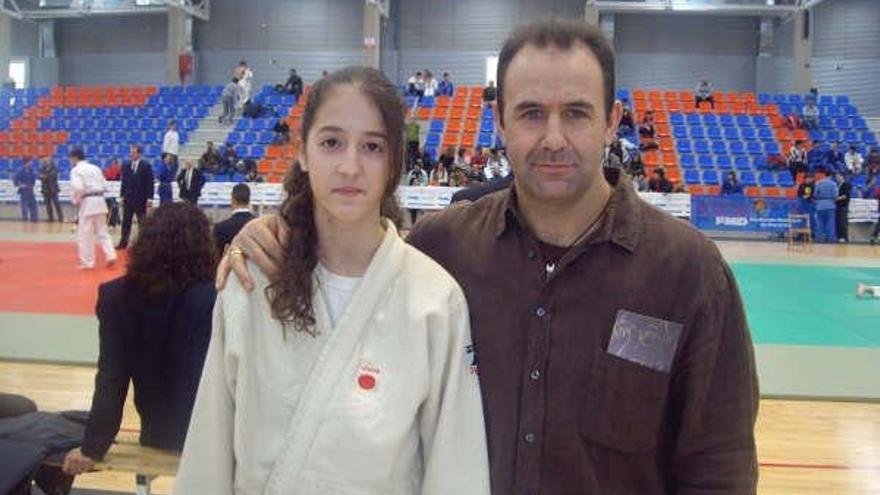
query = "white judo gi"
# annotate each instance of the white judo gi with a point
(87, 192)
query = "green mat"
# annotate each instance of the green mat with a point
(809, 305)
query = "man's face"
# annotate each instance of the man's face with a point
(555, 128)
(133, 153)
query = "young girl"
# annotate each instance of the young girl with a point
(349, 371)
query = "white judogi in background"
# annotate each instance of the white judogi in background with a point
(87, 192)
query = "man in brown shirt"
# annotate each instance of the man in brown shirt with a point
(610, 338)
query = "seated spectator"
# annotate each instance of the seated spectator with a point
(498, 160)
(282, 132)
(480, 158)
(417, 176)
(439, 177)
(458, 178)
(113, 171)
(241, 214)
(230, 160)
(210, 159)
(154, 329)
(627, 122)
(255, 110)
(430, 84)
(294, 85)
(462, 161)
(872, 162)
(797, 159)
(731, 185)
(446, 87)
(793, 122)
(636, 166)
(614, 155)
(853, 160)
(834, 159)
(810, 115)
(703, 92)
(659, 183)
(416, 85)
(490, 93)
(427, 161)
(646, 129)
(816, 157)
(640, 181)
(447, 159)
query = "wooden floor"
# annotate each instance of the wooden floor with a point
(805, 447)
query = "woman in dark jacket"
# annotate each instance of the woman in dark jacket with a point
(49, 188)
(155, 325)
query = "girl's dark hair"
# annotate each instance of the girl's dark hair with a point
(174, 249)
(291, 289)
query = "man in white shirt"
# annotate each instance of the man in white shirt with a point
(810, 115)
(87, 192)
(853, 161)
(246, 81)
(171, 141)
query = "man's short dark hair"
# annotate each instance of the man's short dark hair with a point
(137, 147)
(241, 194)
(563, 34)
(77, 153)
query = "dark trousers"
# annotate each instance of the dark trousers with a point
(128, 212)
(28, 206)
(710, 99)
(113, 212)
(841, 222)
(51, 201)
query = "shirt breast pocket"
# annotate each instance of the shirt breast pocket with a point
(625, 407)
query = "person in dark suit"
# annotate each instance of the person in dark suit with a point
(154, 329)
(476, 192)
(241, 214)
(135, 193)
(190, 180)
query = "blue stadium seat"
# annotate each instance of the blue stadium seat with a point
(754, 148)
(693, 119)
(748, 133)
(772, 148)
(698, 132)
(679, 132)
(710, 119)
(759, 162)
(714, 133)
(726, 120)
(683, 146)
(747, 178)
(869, 138)
(723, 162)
(731, 133)
(623, 94)
(842, 100)
(485, 140)
(691, 177)
(742, 163)
(832, 136)
(825, 122)
(764, 98)
(766, 179)
(784, 179)
(705, 162)
(719, 148)
(737, 148)
(796, 99)
(433, 140)
(701, 146)
(850, 137)
(743, 121)
(676, 118)
(710, 177)
(687, 160)
(842, 123)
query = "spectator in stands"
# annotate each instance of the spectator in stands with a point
(282, 132)
(659, 183)
(635, 165)
(210, 159)
(703, 92)
(439, 176)
(428, 161)
(25, 179)
(447, 159)
(250, 170)
(87, 185)
(413, 136)
(190, 181)
(646, 129)
(294, 85)
(826, 195)
(230, 161)
(462, 161)
(416, 85)
(816, 157)
(166, 173)
(797, 159)
(113, 171)
(480, 158)
(872, 162)
(841, 204)
(446, 87)
(154, 326)
(430, 84)
(490, 94)
(834, 159)
(853, 160)
(731, 185)
(810, 117)
(171, 141)
(416, 176)
(49, 188)
(640, 181)
(614, 155)
(245, 81)
(241, 214)
(627, 122)
(498, 159)
(230, 98)
(793, 121)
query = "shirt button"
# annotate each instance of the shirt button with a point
(540, 312)
(530, 437)
(535, 374)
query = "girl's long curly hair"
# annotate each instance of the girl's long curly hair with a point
(291, 289)
(174, 248)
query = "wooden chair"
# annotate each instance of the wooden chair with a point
(145, 462)
(799, 228)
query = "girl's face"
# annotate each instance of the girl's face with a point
(346, 156)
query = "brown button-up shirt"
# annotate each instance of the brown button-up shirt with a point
(565, 416)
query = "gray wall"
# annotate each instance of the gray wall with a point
(458, 35)
(112, 50)
(846, 51)
(25, 39)
(775, 70)
(674, 51)
(275, 35)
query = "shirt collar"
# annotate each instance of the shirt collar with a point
(621, 223)
(241, 210)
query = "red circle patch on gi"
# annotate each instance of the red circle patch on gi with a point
(367, 382)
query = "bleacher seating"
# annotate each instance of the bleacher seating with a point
(459, 121)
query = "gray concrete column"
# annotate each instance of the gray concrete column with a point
(801, 54)
(591, 13)
(5, 46)
(45, 67)
(372, 32)
(179, 43)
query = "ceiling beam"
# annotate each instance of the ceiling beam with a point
(202, 12)
(667, 7)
